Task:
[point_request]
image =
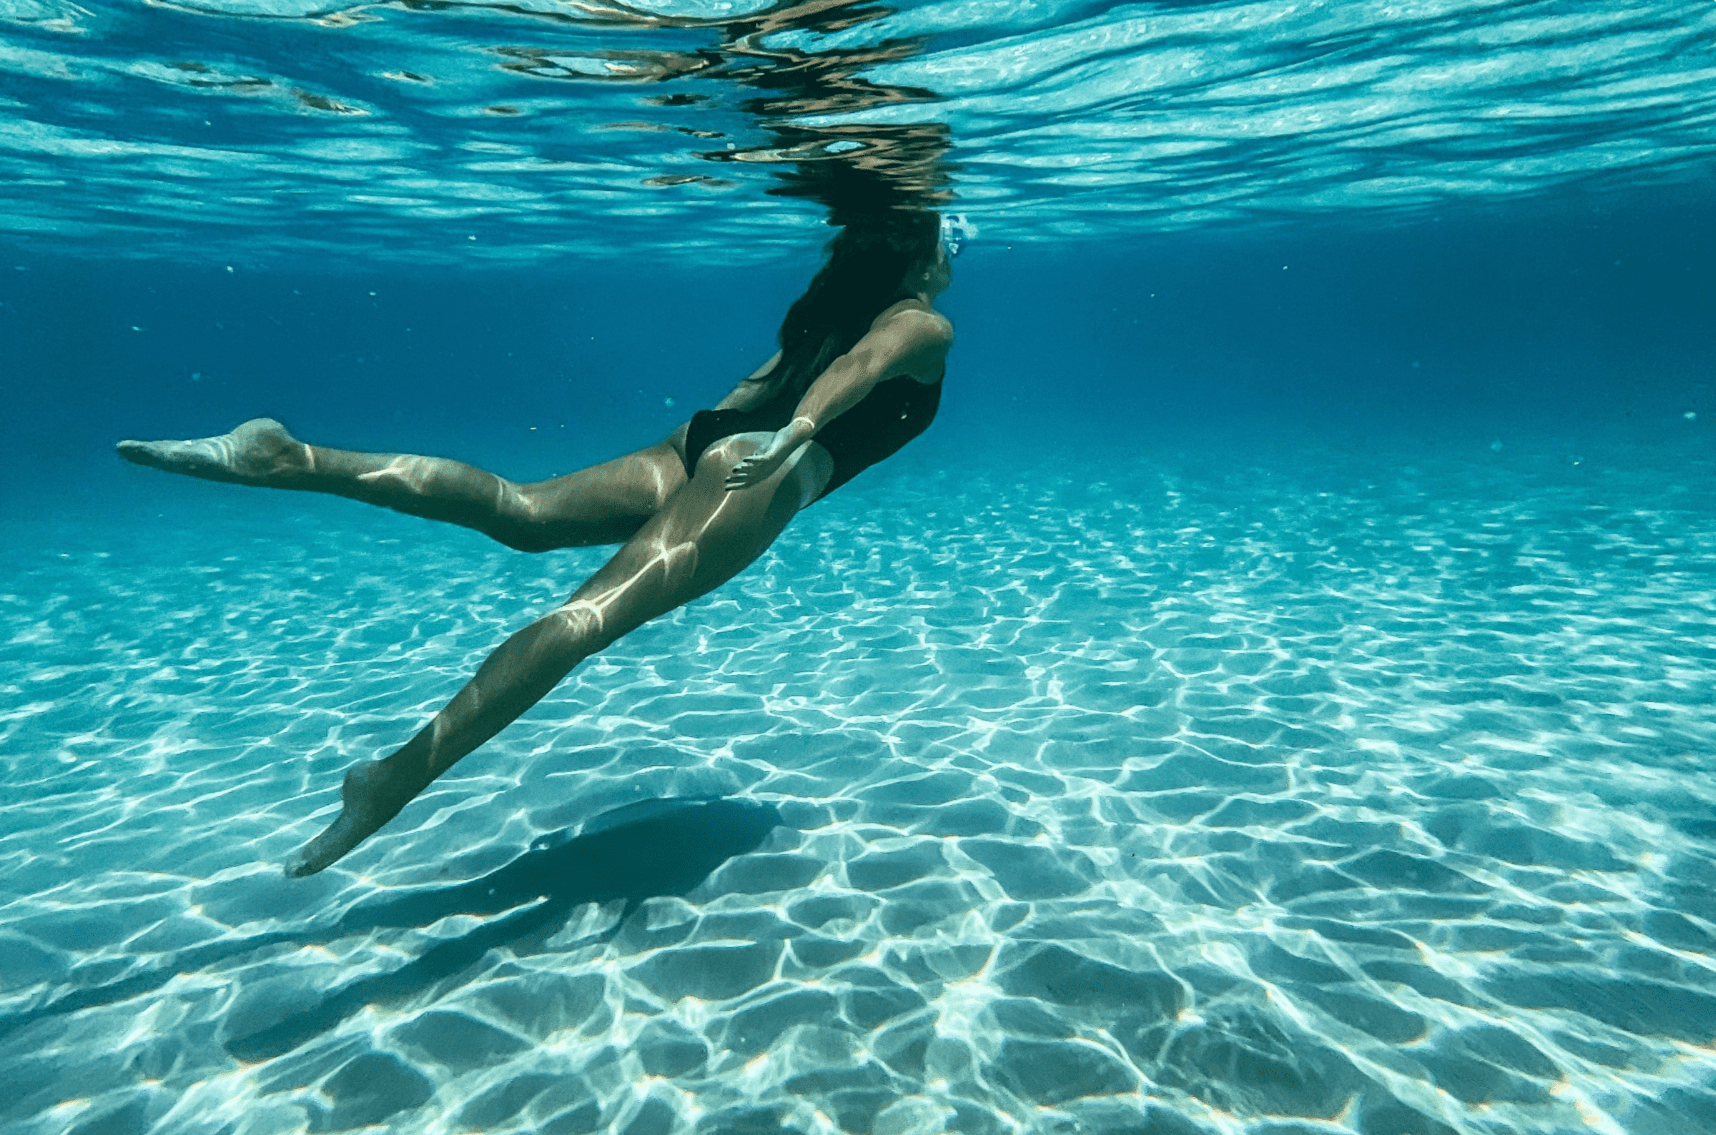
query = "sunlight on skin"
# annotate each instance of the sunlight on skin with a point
(412, 472)
(417, 473)
(583, 618)
(679, 566)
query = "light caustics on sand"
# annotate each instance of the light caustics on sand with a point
(1386, 813)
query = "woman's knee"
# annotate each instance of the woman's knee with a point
(517, 519)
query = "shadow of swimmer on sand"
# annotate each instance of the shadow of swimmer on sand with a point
(640, 851)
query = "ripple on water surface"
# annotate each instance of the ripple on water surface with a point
(1140, 797)
(512, 132)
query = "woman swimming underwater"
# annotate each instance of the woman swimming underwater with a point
(857, 376)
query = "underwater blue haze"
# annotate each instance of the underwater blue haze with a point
(1276, 697)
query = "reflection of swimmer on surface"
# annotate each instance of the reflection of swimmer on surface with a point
(857, 376)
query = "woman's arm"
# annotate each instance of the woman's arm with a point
(912, 342)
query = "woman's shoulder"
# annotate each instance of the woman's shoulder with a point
(916, 321)
(910, 339)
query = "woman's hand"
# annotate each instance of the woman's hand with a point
(760, 465)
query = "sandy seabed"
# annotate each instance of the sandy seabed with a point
(1143, 795)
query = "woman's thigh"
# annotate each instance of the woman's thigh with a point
(606, 503)
(702, 537)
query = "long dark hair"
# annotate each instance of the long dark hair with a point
(864, 276)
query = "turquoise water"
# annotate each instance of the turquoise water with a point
(1151, 794)
(1274, 699)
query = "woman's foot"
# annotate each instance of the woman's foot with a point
(259, 452)
(370, 799)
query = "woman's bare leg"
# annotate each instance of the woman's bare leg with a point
(604, 504)
(703, 537)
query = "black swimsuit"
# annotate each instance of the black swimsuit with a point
(893, 413)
